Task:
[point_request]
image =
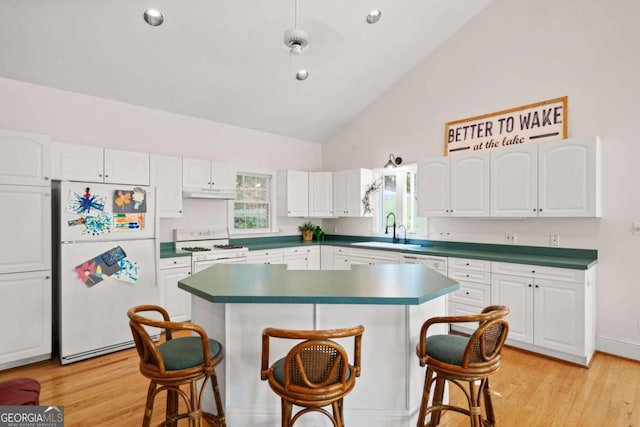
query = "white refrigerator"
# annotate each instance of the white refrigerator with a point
(108, 256)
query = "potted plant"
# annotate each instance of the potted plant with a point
(307, 231)
(318, 233)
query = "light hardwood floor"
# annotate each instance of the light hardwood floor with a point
(533, 391)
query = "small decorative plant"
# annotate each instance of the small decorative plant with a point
(307, 230)
(318, 233)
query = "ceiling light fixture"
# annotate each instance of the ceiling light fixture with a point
(393, 162)
(374, 16)
(295, 38)
(302, 75)
(153, 17)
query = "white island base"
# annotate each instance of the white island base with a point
(388, 392)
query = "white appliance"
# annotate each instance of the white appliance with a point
(108, 255)
(208, 246)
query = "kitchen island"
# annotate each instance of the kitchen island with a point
(235, 302)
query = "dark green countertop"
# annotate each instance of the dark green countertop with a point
(579, 259)
(168, 250)
(391, 284)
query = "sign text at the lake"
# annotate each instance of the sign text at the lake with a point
(542, 121)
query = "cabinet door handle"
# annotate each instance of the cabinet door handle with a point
(530, 285)
(99, 175)
(537, 286)
(106, 176)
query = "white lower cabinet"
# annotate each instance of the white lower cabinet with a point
(25, 313)
(474, 277)
(177, 302)
(267, 256)
(302, 258)
(341, 258)
(552, 310)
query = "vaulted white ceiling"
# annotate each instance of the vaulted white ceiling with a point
(225, 60)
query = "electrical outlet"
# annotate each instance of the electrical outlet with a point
(510, 237)
(554, 239)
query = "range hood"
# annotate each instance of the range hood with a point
(197, 193)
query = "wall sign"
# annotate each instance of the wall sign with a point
(542, 121)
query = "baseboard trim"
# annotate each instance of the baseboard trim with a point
(618, 347)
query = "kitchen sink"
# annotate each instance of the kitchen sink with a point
(388, 245)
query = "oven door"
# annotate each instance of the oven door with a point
(198, 266)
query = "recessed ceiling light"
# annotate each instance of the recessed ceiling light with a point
(302, 75)
(374, 16)
(153, 17)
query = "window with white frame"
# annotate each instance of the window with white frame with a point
(252, 210)
(398, 195)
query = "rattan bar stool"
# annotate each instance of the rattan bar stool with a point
(461, 360)
(177, 361)
(315, 373)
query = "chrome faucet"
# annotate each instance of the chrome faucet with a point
(386, 227)
(405, 241)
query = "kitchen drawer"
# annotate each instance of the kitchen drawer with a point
(298, 250)
(470, 264)
(184, 261)
(339, 250)
(475, 294)
(539, 272)
(469, 276)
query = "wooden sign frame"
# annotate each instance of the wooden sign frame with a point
(541, 121)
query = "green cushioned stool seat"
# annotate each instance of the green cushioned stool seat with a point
(278, 371)
(183, 353)
(447, 348)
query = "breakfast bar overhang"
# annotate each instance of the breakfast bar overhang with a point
(235, 302)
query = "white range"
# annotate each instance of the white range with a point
(208, 246)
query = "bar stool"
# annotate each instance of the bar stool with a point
(314, 373)
(460, 360)
(176, 362)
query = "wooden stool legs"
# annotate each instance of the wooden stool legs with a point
(478, 392)
(193, 403)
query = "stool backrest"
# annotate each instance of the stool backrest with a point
(318, 363)
(485, 344)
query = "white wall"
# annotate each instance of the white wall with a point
(517, 52)
(82, 119)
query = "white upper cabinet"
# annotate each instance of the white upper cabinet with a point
(569, 178)
(549, 179)
(25, 158)
(434, 187)
(456, 185)
(126, 167)
(349, 188)
(470, 184)
(213, 179)
(86, 163)
(293, 193)
(321, 194)
(166, 175)
(514, 181)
